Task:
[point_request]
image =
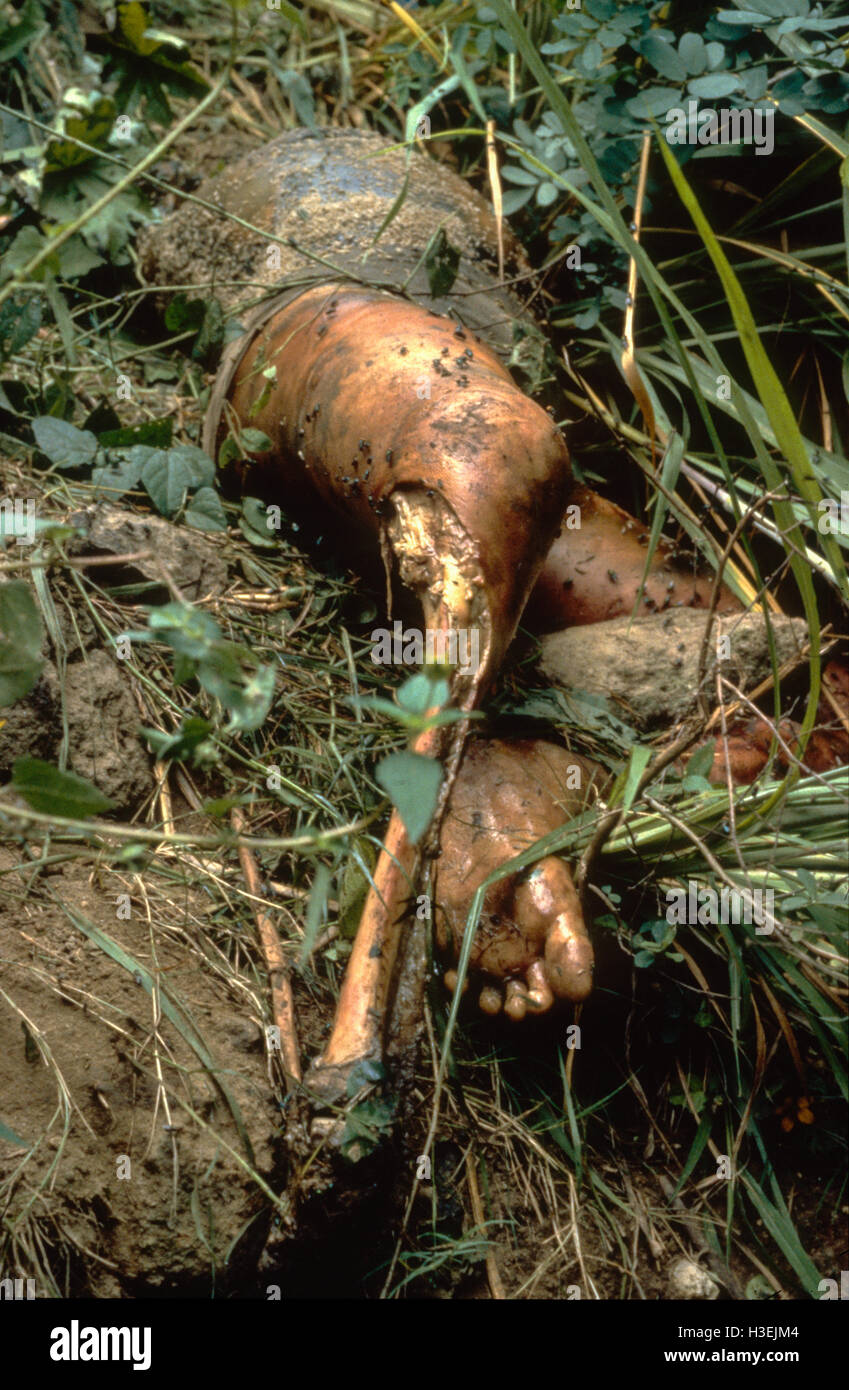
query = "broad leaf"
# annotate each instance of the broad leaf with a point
(56, 793)
(64, 444)
(412, 783)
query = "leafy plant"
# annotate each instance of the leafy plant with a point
(412, 781)
(226, 670)
(21, 638)
(116, 466)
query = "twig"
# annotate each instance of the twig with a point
(282, 1002)
(496, 1287)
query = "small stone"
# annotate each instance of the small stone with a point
(689, 1280)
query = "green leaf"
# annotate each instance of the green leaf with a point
(758, 1289)
(28, 243)
(693, 54)
(14, 38)
(76, 259)
(316, 911)
(170, 473)
(547, 193)
(365, 1125)
(655, 101)
(56, 793)
(715, 84)
(121, 473)
(701, 762)
(188, 630)
(253, 523)
(422, 692)
(252, 701)
(20, 320)
(210, 336)
(64, 444)
(155, 434)
(696, 1149)
(190, 735)
(412, 783)
(354, 885)
(663, 57)
(21, 636)
(255, 442)
(366, 1072)
(183, 313)
(755, 82)
(637, 764)
(589, 60)
(779, 1223)
(206, 512)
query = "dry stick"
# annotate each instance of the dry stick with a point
(704, 485)
(620, 429)
(358, 1022)
(495, 186)
(836, 707)
(102, 830)
(283, 1005)
(83, 562)
(697, 1236)
(715, 1151)
(630, 370)
(712, 861)
(496, 1287)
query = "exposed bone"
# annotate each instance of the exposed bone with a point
(436, 558)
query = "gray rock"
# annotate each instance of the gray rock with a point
(649, 665)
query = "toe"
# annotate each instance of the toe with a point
(450, 978)
(539, 992)
(516, 1000)
(490, 1000)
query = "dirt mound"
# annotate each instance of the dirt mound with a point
(149, 1082)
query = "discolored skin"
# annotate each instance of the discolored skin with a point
(593, 572)
(531, 945)
(375, 396)
(744, 753)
